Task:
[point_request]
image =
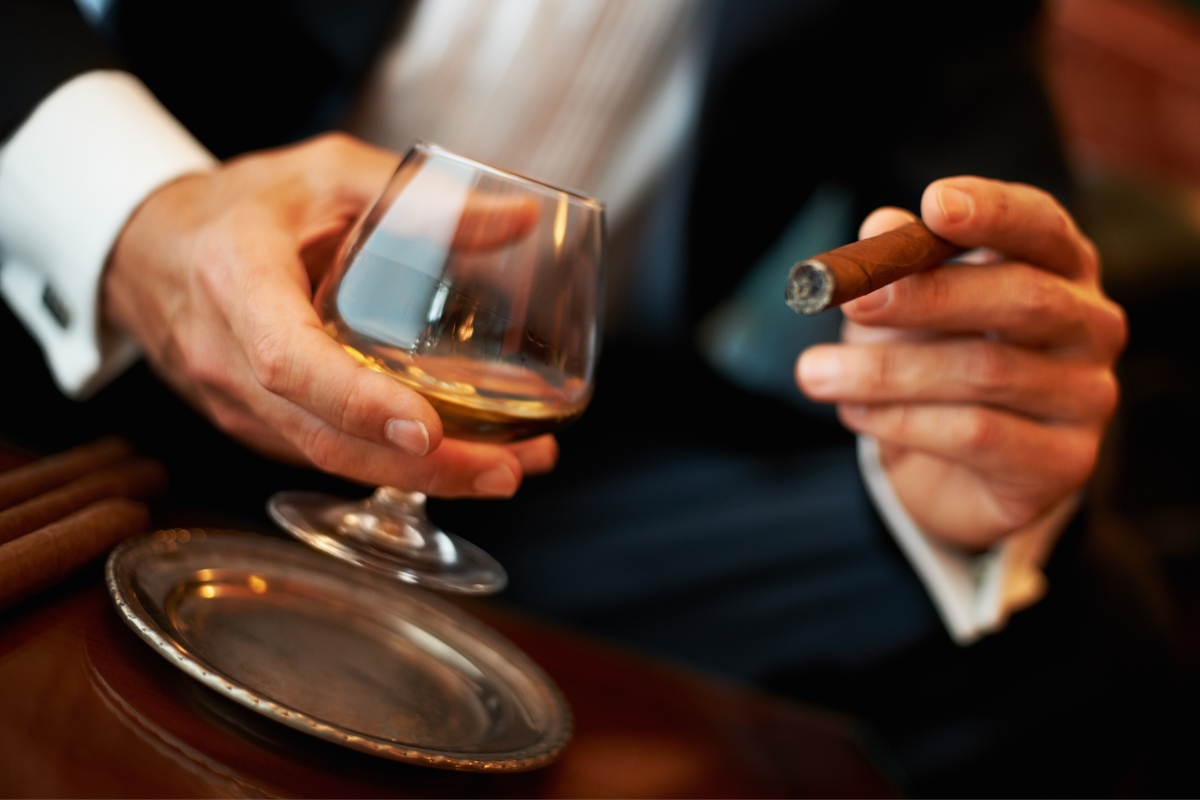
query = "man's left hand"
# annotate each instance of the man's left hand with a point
(988, 386)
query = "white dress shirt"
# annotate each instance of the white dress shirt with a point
(596, 94)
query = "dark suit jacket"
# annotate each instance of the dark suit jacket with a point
(240, 75)
(883, 96)
(880, 96)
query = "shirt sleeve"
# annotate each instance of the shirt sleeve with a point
(974, 594)
(70, 177)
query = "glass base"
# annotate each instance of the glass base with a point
(388, 533)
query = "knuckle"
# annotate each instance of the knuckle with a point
(923, 295)
(975, 430)
(270, 361)
(1079, 459)
(899, 423)
(1118, 326)
(225, 417)
(325, 172)
(881, 374)
(336, 140)
(1035, 297)
(319, 444)
(1089, 256)
(1107, 394)
(443, 480)
(1001, 207)
(205, 367)
(936, 294)
(1015, 514)
(988, 367)
(209, 268)
(194, 364)
(202, 361)
(1061, 225)
(234, 420)
(353, 406)
(322, 143)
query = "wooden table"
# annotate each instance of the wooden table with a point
(87, 709)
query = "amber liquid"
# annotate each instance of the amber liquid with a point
(479, 401)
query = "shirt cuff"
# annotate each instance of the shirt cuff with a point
(70, 177)
(974, 594)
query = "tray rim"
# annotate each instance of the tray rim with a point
(131, 610)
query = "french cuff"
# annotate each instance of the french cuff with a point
(974, 594)
(70, 177)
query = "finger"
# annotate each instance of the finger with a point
(1016, 301)
(960, 371)
(958, 507)
(229, 393)
(456, 469)
(1021, 221)
(854, 333)
(310, 369)
(537, 456)
(238, 421)
(884, 219)
(292, 356)
(1006, 448)
(489, 221)
(470, 469)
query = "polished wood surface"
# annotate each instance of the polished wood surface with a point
(87, 709)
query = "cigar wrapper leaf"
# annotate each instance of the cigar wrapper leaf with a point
(53, 553)
(839, 276)
(138, 478)
(21, 484)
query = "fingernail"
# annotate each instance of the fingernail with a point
(956, 204)
(819, 368)
(871, 302)
(496, 481)
(409, 435)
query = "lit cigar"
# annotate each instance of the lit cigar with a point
(839, 276)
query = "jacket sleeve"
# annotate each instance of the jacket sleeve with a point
(43, 44)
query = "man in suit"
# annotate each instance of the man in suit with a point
(980, 391)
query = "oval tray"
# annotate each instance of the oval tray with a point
(351, 657)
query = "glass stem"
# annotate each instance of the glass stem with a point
(396, 520)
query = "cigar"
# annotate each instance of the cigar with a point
(139, 478)
(22, 483)
(50, 554)
(840, 275)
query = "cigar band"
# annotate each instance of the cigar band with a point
(809, 288)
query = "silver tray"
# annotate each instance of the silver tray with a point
(351, 657)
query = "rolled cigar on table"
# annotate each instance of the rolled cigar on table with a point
(139, 478)
(22, 483)
(841, 275)
(51, 554)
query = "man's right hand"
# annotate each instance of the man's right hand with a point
(213, 274)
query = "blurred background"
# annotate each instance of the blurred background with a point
(1125, 79)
